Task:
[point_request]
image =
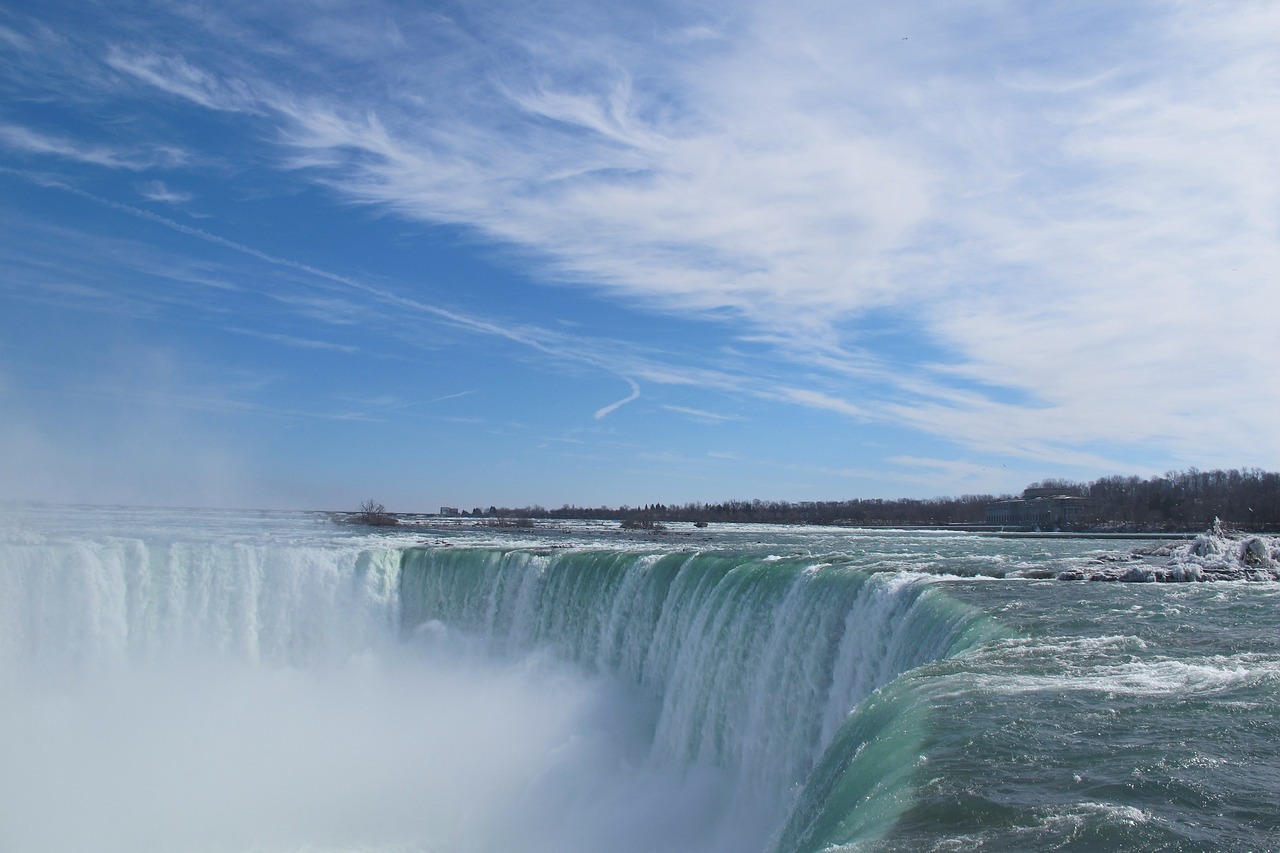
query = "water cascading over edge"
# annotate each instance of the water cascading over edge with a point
(755, 663)
(100, 603)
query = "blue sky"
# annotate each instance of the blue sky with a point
(288, 254)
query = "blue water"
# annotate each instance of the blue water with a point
(275, 682)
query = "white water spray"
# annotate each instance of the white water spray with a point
(223, 693)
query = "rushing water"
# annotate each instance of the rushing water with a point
(269, 682)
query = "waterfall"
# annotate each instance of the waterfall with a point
(754, 663)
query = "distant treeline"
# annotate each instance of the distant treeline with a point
(1187, 500)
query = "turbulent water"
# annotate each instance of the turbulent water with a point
(270, 682)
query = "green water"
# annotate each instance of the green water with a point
(1038, 714)
(1123, 717)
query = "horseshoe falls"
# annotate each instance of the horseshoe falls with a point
(747, 666)
(239, 682)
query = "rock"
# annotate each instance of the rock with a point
(1138, 574)
(1255, 552)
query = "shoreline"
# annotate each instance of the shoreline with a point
(1054, 534)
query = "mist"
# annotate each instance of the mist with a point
(199, 695)
(412, 751)
(245, 682)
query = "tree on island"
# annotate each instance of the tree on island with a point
(645, 520)
(374, 514)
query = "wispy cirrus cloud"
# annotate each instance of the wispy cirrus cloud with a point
(294, 341)
(133, 158)
(172, 74)
(15, 39)
(603, 181)
(157, 191)
(1065, 216)
(700, 415)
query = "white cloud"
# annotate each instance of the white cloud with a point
(157, 191)
(1069, 211)
(113, 157)
(14, 39)
(817, 400)
(700, 415)
(175, 75)
(1125, 298)
(293, 341)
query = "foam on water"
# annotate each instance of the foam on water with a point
(1147, 678)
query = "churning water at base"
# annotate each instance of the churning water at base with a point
(265, 683)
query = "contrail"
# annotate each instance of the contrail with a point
(609, 409)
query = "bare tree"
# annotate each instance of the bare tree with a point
(373, 513)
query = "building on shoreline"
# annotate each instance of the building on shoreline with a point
(1039, 509)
